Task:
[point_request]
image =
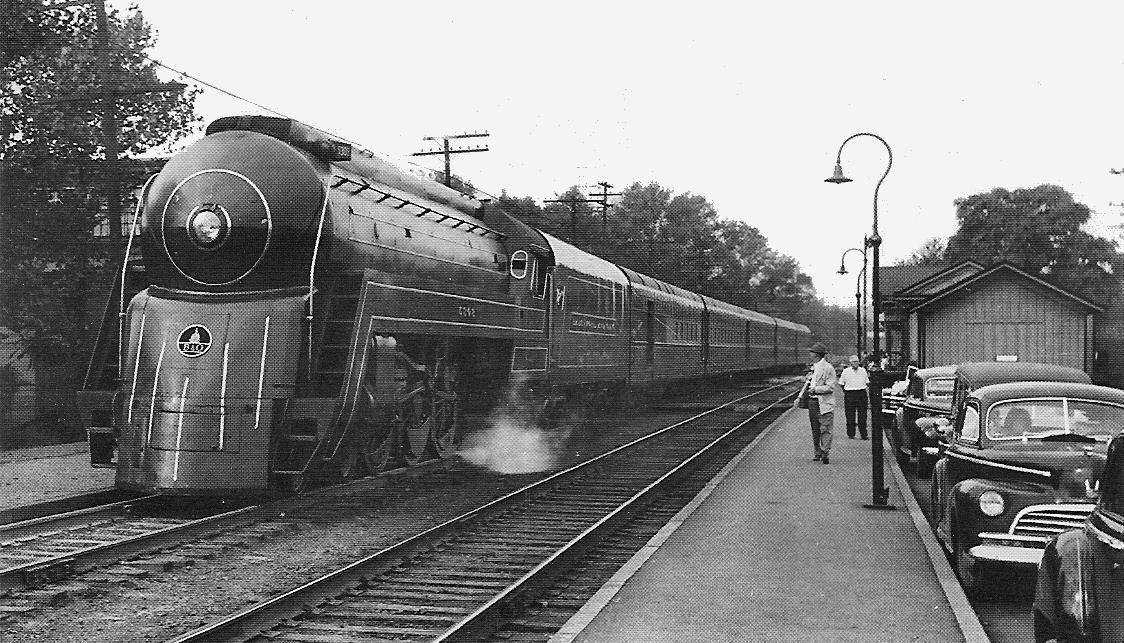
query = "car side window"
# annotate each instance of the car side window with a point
(970, 430)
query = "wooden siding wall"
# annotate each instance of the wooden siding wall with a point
(1004, 315)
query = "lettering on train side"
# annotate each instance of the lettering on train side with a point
(593, 324)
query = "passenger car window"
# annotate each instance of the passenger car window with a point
(971, 429)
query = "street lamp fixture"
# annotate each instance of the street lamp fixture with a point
(860, 295)
(879, 492)
(838, 177)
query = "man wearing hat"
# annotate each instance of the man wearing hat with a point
(821, 401)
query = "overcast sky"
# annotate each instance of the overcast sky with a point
(743, 104)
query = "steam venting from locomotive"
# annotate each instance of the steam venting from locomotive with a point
(513, 441)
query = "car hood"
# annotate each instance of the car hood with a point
(1074, 468)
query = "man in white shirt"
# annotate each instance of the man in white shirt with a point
(854, 380)
(821, 401)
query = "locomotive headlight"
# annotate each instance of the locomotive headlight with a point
(208, 226)
(992, 503)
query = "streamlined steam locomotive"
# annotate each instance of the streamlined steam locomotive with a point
(302, 308)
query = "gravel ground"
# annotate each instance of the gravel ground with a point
(40, 474)
(164, 595)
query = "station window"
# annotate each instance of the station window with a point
(518, 267)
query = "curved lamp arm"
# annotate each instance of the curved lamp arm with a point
(838, 161)
(843, 259)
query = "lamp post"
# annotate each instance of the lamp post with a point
(879, 492)
(860, 305)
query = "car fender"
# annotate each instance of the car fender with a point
(937, 501)
(964, 498)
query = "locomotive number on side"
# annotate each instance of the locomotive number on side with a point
(468, 312)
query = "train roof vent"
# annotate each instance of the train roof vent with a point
(295, 133)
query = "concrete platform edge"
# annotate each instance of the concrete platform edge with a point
(584, 616)
(966, 617)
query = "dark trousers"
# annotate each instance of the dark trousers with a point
(821, 428)
(854, 406)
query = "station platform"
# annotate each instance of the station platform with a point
(40, 474)
(780, 548)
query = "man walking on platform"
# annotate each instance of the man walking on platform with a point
(854, 381)
(821, 401)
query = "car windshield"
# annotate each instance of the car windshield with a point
(1040, 418)
(939, 387)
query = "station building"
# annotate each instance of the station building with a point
(951, 313)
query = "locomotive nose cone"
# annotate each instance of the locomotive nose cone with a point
(213, 244)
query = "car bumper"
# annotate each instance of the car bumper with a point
(1009, 549)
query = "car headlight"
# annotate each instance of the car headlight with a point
(992, 503)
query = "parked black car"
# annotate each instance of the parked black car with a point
(973, 375)
(1079, 595)
(928, 395)
(1019, 467)
(893, 397)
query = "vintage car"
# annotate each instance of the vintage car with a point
(893, 397)
(1078, 594)
(973, 375)
(1020, 466)
(928, 395)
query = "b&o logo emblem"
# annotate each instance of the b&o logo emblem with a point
(194, 340)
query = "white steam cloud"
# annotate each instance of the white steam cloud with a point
(512, 441)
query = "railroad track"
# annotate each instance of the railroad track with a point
(482, 570)
(80, 502)
(44, 549)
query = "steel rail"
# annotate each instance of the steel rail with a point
(478, 624)
(12, 530)
(257, 619)
(51, 509)
(38, 571)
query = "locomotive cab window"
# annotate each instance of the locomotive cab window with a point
(539, 277)
(518, 267)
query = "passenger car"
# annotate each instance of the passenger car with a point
(1019, 467)
(928, 394)
(1078, 595)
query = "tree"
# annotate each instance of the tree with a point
(931, 252)
(54, 162)
(1039, 230)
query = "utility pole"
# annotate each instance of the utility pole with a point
(573, 202)
(604, 201)
(448, 151)
(110, 128)
(600, 198)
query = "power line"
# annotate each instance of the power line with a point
(220, 89)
